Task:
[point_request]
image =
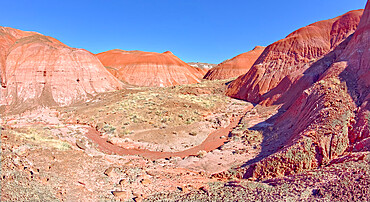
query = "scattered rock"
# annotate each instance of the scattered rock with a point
(145, 181)
(122, 195)
(183, 189)
(201, 153)
(139, 196)
(138, 199)
(193, 133)
(123, 182)
(80, 145)
(110, 172)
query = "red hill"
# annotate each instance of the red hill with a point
(40, 70)
(283, 61)
(149, 68)
(236, 66)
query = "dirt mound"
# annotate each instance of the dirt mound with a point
(149, 68)
(236, 66)
(40, 70)
(284, 61)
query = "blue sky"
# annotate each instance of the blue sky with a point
(194, 30)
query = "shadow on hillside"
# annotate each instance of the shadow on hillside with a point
(284, 131)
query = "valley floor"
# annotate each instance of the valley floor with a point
(157, 144)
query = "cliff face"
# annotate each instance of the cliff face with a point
(283, 62)
(40, 70)
(236, 66)
(149, 68)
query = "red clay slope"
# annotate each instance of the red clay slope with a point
(236, 66)
(284, 59)
(356, 65)
(326, 119)
(40, 70)
(149, 68)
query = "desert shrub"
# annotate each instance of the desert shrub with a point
(109, 129)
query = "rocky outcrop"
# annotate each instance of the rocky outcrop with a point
(236, 66)
(40, 70)
(283, 62)
(149, 68)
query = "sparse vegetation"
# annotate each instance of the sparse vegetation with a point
(42, 137)
(153, 108)
(109, 129)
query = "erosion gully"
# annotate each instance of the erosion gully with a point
(214, 140)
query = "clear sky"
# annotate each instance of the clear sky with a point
(194, 30)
